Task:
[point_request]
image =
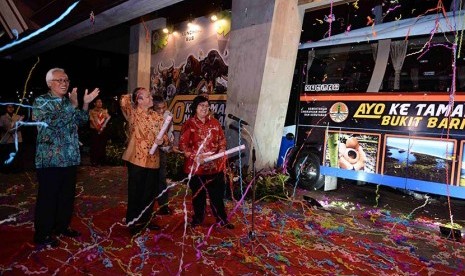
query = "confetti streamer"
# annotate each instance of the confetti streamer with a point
(26, 84)
(392, 9)
(147, 31)
(15, 33)
(331, 18)
(348, 29)
(370, 21)
(92, 18)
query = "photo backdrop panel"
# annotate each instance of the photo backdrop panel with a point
(461, 170)
(419, 158)
(352, 151)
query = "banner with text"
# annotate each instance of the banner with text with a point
(423, 113)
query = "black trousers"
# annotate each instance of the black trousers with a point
(55, 200)
(214, 185)
(142, 190)
(98, 146)
(163, 199)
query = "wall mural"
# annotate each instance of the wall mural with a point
(191, 58)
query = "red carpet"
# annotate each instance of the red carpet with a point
(349, 237)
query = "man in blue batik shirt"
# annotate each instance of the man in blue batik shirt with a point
(57, 156)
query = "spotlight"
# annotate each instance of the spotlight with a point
(193, 26)
(213, 18)
(190, 22)
(165, 30)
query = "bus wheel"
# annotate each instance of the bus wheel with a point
(307, 172)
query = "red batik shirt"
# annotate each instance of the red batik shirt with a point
(210, 136)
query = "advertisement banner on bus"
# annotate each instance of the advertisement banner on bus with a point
(412, 113)
(410, 136)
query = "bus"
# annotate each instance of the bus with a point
(384, 104)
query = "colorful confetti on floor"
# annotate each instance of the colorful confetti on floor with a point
(347, 236)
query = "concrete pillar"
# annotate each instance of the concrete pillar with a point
(263, 48)
(140, 53)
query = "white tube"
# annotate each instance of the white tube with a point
(163, 129)
(221, 154)
(104, 124)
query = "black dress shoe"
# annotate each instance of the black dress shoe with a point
(194, 224)
(134, 230)
(47, 241)
(165, 211)
(70, 233)
(153, 226)
(227, 225)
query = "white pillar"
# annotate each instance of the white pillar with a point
(140, 42)
(263, 49)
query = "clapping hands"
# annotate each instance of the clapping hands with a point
(90, 97)
(73, 97)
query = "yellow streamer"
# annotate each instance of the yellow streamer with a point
(25, 85)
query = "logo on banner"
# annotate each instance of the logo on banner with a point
(339, 112)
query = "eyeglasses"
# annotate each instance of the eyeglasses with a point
(61, 80)
(204, 105)
(160, 107)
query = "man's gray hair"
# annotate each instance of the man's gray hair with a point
(49, 76)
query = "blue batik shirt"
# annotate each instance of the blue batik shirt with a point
(58, 142)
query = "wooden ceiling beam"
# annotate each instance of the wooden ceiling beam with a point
(117, 15)
(310, 5)
(27, 12)
(11, 19)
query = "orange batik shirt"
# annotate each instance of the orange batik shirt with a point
(98, 118)
(144, 127)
